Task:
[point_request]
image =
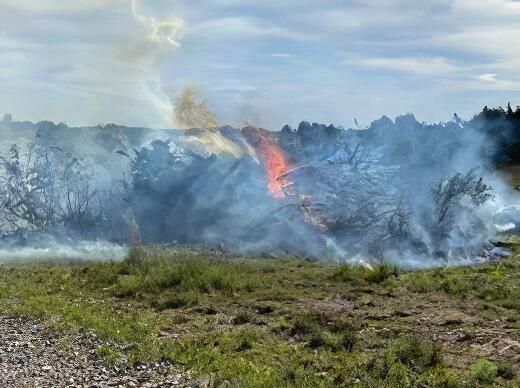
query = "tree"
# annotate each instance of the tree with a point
(28, 192)
(449, 193)
(48, 188)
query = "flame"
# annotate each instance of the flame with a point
(274, 161)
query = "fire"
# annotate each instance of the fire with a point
(275, 163)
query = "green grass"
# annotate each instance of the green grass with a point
(263, 322)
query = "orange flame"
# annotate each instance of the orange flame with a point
(273, 159)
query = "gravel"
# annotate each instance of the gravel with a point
(30, 356)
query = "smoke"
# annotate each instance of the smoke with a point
(49, 249)
(412, 193)
(147, 47)
(192, 111)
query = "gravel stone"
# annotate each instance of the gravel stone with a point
(31, 357)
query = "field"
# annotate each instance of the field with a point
(264, 322)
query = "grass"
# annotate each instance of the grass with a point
(262, 322)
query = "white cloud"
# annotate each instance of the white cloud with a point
(61, 6)
(416, 66)
(239, 27)
(490, 77)
(282, 55)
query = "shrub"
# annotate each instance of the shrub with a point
(414, 353)
(303, 324)
(136, 255)
(484, 371)
(246, 339)
(348, 340)
(242, 318)
(317, 340)
(399, 376)
(381, 273)
(346, 273)
(439, 378)
(505, 371)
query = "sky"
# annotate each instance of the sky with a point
(267, 63)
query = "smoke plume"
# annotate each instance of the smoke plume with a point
(192, 111)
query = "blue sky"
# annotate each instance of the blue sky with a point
(265, 62)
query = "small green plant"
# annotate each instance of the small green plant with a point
(242, 318)
(136, 255)
(107, 354)
(484, 371)
(246, 339)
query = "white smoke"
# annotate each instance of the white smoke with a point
(51, 250)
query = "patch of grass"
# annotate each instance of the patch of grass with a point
(382, 273)
(242, 318)
(413, 353)
(358, 274)
(304, 324)
(349, 339)
(262, 322)
(107, 354)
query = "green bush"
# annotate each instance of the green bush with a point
(304, 324)
(484, 371)
(414, 353)
(136, 256)
(439, 378)
(399, 376)
(349, 340)
(242, 318)
(505, 371)
(382, 273)
(347, 273)
(317, 340)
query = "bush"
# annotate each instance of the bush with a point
(399, 376)
(136, 255)
(317, 340)
(348, 273)
(414, 353)
(484, 371)
(439, 378)
(505, 371)
(242, 318)
(349, 340)
(246, 339)
(381, 273)
(304, 324)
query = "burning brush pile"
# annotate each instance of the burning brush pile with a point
(401, 190)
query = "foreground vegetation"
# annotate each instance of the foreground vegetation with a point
(285, 322)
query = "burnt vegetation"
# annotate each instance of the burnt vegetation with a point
(397, 188)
